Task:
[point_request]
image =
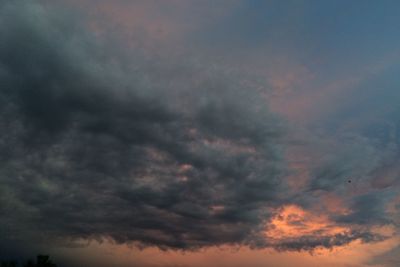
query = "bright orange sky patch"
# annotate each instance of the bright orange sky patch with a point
(294, 222)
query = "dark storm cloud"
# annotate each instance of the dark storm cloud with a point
(369, 209)
(178, 155)
(90, 150)
(311, 242)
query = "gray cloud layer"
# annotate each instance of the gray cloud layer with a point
(89, 150)
(147, 151)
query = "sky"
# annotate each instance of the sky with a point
(200, 133)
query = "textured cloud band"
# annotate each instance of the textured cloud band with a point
(173, 156)
(158, 151)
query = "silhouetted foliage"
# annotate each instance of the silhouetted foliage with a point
(8, 264)
(44, 261)
(29, 263)
(41, 261)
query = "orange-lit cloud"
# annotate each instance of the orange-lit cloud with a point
(294, 222)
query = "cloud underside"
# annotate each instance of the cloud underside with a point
(90, 151)
(170, 155)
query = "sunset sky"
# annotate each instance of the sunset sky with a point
(200, 133)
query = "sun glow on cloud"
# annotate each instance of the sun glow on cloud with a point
(293, 222)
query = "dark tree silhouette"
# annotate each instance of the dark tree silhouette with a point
(41, 261)
(29, 263)
(8, 264)
(44, 261)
